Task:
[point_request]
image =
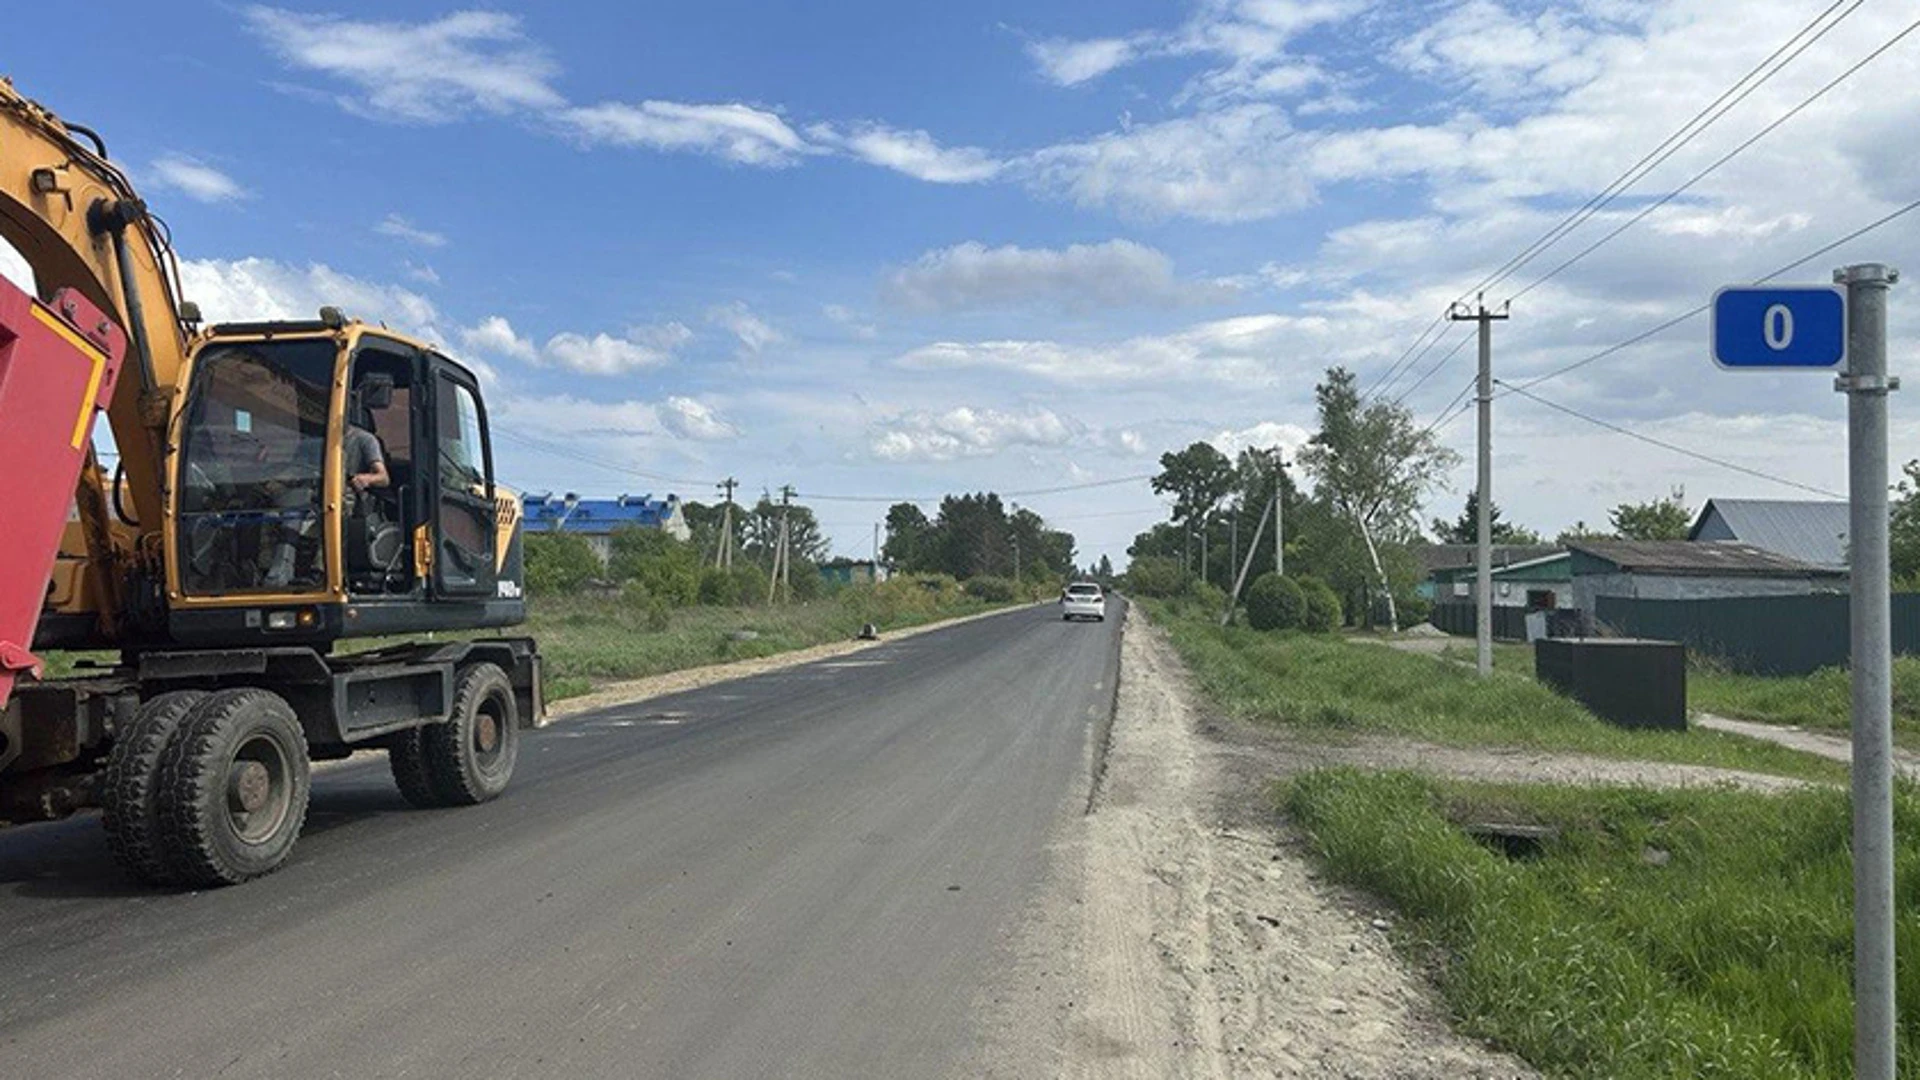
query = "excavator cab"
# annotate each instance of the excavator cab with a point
(274, 540)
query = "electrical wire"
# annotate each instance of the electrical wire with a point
(1003, 494)
(1669, 146)
(1671, 447)
(1695, 312)
(1429, 373)
(1722, 160)
(1672, 144)
(588, 459)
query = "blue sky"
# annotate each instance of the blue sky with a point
(893, 249)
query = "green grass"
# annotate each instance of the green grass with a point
(1330, 687)
(589, 640)
(1821, 701)
(1590, 960)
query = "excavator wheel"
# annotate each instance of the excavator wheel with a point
(233, 788)
(407, 758)
(127, 784)
(470, 758)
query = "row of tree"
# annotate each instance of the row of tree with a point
(973, 536)
(1372, 468)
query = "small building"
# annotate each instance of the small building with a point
(1689, 570)
(596, 519)
(850, 572)
(1539, 584)
(1810, 531)
(1441, 564)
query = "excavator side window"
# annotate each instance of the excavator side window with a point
(252, 445)
(464, 512)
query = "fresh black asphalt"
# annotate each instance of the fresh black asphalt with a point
(807, 873)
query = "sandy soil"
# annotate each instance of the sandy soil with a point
(1200, 942)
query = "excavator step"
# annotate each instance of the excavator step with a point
(58, 363)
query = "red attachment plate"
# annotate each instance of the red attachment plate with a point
(58, 364)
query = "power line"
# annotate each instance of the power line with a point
(588, 459)
(1671, 145)
(1684, 316)
(1722, 160)
(1437, 365)
(1003, 494)
(1662, 444)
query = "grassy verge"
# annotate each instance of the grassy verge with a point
(589, 640)
(1330, 686)
(1639, 942)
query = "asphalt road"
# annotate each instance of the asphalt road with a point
(806, 873)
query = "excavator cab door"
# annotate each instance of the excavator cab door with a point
(463, 529)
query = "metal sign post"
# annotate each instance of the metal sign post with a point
(1866, 385)
(1814, 328)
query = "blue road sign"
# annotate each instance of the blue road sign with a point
(1780, 326)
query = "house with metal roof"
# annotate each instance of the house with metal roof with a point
(1809, 531)
(1442, 565)
(1690, 570)
(596, 519)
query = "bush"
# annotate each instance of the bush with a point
(1154, 575)
(662, 567)
(994, 590)
(558, 563)
(739, 587)
(1323, 614)
(1207, 595)
(1275, 603)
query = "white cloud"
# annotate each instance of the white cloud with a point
(1070, 63)
(1506, 55)
(1246, 350)
(231, 290)
(755, 333)
(914, 153)
(738, 133)
(431, 72)
(424, 273)
(604, 354)
(691, 419)
(1263, 436)
(1236, 164)
(401, 229)
(195, 179)
(495, 336)
(966, 432)
(840, 314)
(1081, 277)
(14, 268)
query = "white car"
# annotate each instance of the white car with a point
(1081, 600)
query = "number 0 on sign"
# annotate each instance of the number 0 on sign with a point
(1780, 327)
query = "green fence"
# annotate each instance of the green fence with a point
(1509, 623)
(1760, 635)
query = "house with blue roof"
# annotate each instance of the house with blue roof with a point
(596, 519)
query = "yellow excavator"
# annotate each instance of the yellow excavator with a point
(239, 535)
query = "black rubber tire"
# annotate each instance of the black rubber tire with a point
(127, 784)
(202, 838)
(407, 758)
(464, 772)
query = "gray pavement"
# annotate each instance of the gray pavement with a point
(806, 873)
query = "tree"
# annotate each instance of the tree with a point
(1374, 466)
(1103, 571)
(1655, 519)
(1579, 531)
(907, 528)
(558, 562)
(1467, 529)
(703, 523)
(1903, 529)
(761, 530)
(1197, 478)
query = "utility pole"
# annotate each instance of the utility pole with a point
(786, 543)
(1233, 598)
(1866, 385)
(876, 551)
(1279, 527)
(1204, 530)
(1016, 560)
(1233, 530)
(723, 553)
(1483, 554)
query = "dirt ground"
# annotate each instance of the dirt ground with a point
(1189, 937)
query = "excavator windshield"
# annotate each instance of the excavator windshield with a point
(253, 449)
